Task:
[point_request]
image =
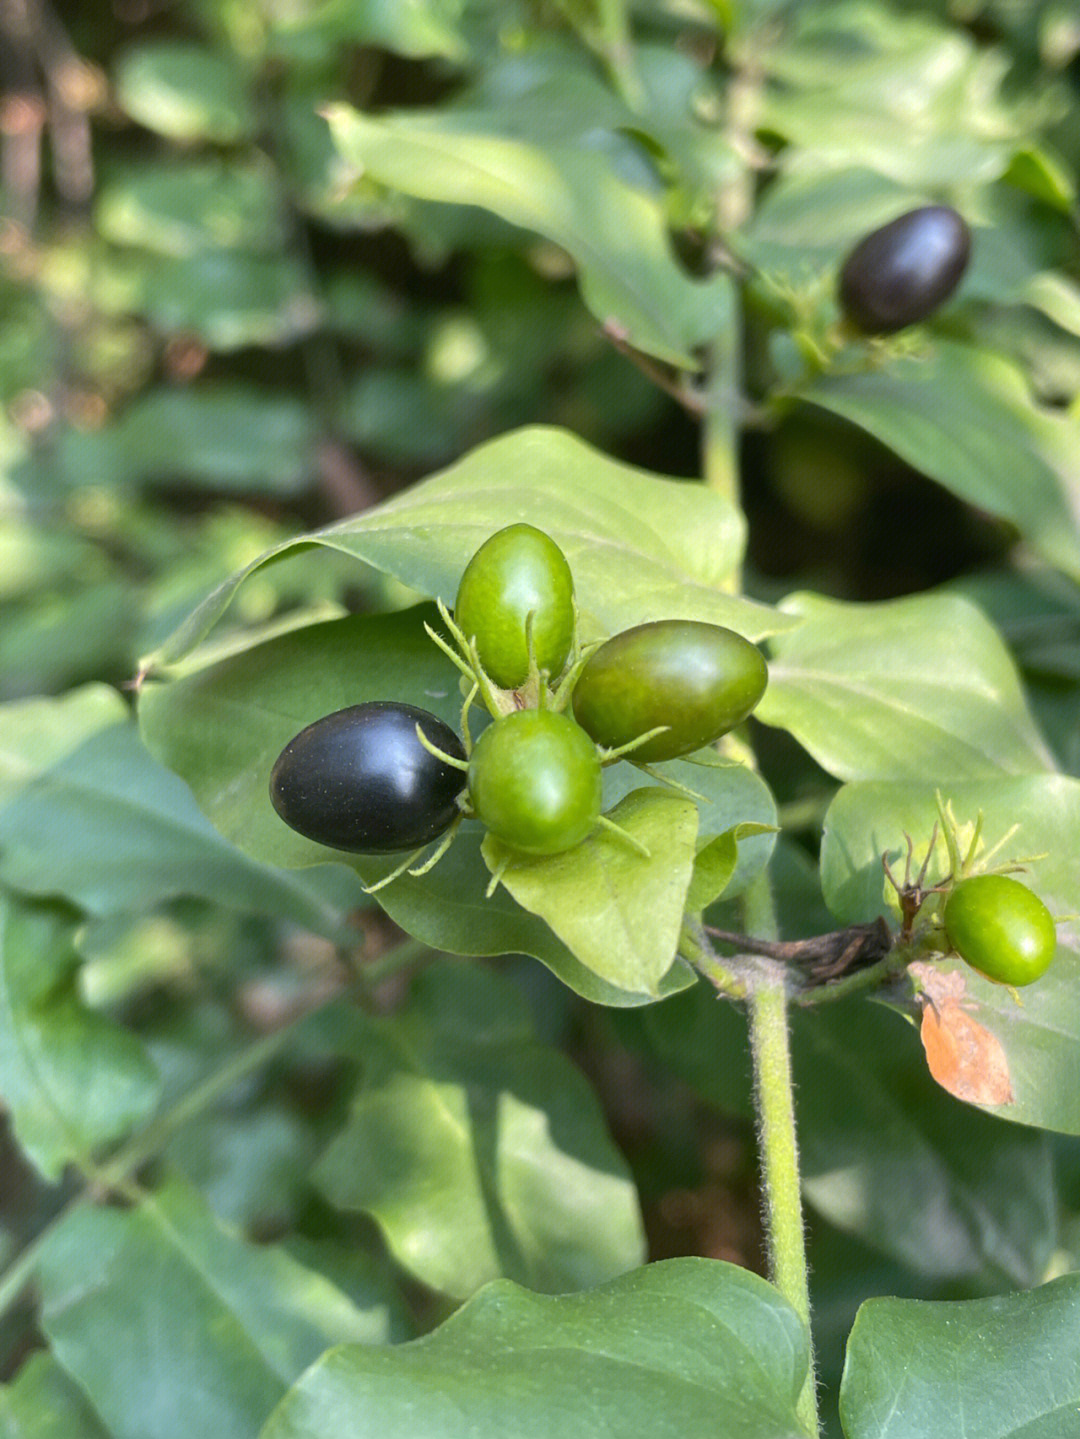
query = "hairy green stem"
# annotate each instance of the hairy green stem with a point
(699, 954)
(778, 1146)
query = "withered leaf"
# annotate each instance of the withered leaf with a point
(963, 1055)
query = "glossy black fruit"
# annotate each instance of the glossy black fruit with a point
(360, 779)
(901, 273)
(700, 680)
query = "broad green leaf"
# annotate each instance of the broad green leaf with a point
(1039, 1030)
(690, 1346)
(481, 1157)
(170, 1322)
(619, 912)
(885, 1155)
(964, 417)
(41, 1402)
(641, 547)
(191, 205)
(186, 92)
(234, 437)
(71, 1080)
(221, 728)
(1040, 172)
(917, 688)
(561, 186)
(1001, 1368)
(88, 814)
(889, 1157)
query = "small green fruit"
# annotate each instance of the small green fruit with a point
(1001, 928)
(517, 572)
(534, 780)
(701, 680)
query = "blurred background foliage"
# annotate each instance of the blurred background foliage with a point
(213, 336)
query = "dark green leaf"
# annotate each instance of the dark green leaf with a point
(170, 1322)
(87, 813)
(690, 1346)
(72, 1081)
(965, 418)
(1002, 1368)
(480, 1156)
(889, 1157)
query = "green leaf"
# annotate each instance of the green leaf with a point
(641, 547)
(186, 92)
(965, 418)
(221, 728)
(418, 29)
(917, 688)
(698, 1041)
(562, 186)
(250, 1162)
(715, 864)
(228, 437)
(72, 1080)
(887, 1156)
(690, 1346)
(168, 1320)
(191, 205)
(1041, 173)
(729, 796)
(1040, 1031)
(480, 1156)
(992, 1368)
(229, 299)
(88, 814)
(809, 219)
(619, 912)
(43, 1403)
(847, 79)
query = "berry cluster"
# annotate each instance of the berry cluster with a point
(384, 776)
